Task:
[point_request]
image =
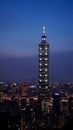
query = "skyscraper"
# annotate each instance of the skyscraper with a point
(56, 111)
(43, 64)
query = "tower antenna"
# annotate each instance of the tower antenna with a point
(44, 34)
(43, 29)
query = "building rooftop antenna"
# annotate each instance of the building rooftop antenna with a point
(43, 29)
(44, 34)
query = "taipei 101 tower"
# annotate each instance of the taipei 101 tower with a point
(43, 65)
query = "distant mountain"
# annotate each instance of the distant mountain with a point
(26, 69)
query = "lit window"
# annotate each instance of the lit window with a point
(40, 69)
(46, 64)
(40, 64)
(40, 48)
(46, 53)
(40, 75)
(40, 58)
(45, 75)
(40, 80)
(39, 86)
(46, 80)
(46, 87)
(40, 53)
(46, 48)
(46, 58)
(45, 69)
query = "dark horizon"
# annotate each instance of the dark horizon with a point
(26, 68)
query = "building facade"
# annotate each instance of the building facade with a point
(56, 111)
(43, 64)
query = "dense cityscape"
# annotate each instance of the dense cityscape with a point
(21, 107)
(37, 106)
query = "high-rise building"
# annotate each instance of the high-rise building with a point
(43, 64)
(56, 111)
(24, 89)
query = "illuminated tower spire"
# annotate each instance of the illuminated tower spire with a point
(43, 64)
(43, 29)
(44, 34)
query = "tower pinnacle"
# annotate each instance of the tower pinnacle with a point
(44, 34)
(43, 29)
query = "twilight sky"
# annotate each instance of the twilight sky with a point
(21, 24)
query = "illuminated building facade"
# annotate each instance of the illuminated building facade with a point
(43, 63)
(24, 89)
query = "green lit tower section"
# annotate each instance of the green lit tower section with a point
(43, 63)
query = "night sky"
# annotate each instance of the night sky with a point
(21, 23)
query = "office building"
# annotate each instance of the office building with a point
(56, 111)
(43, 65)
